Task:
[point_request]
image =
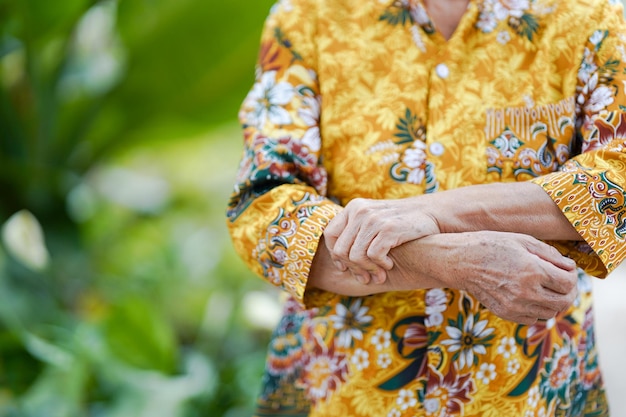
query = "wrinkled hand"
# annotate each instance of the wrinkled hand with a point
(361, 236)
(517, 277)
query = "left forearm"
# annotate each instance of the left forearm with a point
(520, 207)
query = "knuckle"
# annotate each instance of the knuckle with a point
(341, 251)
(564, 304)
(331, 231)
(357, 258)
(359, 206)
(376, 253)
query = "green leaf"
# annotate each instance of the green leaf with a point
(138, 335)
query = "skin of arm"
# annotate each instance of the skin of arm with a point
(361, 236)
(482, 263)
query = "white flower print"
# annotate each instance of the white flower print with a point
(600, 99)
(394, 413)
(384, 360)
(507, 347)
(435, 319)
(436, 300)
(360, 359)
(381, 339)
(431, 405)
(587, 67)
(406, 399)
(499, 11)
(486, 373)
(513, 366)
(468, 340)
(597, 37)
(267, 99)
(528, 101)
(533, 397)
(436, 303)
(350, 321)
(285, 4)
(492, 13)
(310, 115)
(616, 148)
(420, 15)
(416, 35)
(416, 176)
(487, 23)
(503, 37)
(516, 7)
(495, 11)
(415, 157)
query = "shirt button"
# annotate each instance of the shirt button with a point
(436, 149)
(442, 71)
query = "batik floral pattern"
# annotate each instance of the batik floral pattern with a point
(349, 321)
(558, 375)
(406, 153)
(402, 12)
(349, 108)
(516, 13)
(469, 337)
(447, 394)
(324, 372)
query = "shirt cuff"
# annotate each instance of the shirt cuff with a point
(584, 197)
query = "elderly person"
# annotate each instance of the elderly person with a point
(434, 184)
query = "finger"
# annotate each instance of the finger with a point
(340, 265)
(554, 301)
(334, 228)
(551, 254)
(541, 312)
(358, 258)
(378, 252)
(358, 250)
(526, 320)
(558, 280)
(379, 275)
(361, 275)
(344, 242)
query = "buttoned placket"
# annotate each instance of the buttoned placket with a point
(444, 74)
(442, 79)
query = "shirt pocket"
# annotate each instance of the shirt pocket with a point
(529, 141)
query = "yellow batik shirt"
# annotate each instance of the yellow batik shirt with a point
(365, 98)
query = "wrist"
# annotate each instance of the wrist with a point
(428, 211)
(418, 264)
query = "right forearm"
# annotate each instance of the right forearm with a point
(324, 275)
(414, 268)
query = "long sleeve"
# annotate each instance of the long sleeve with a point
(590, 188)
(278, 211)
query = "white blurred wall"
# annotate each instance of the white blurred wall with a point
(610, 298)
(610, 302)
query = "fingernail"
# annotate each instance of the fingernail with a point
(340, 266)
(361, 279)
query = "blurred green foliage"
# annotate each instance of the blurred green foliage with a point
(118, 133)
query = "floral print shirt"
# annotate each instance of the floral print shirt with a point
(367, 99)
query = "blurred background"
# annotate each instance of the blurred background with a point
(120, 294)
